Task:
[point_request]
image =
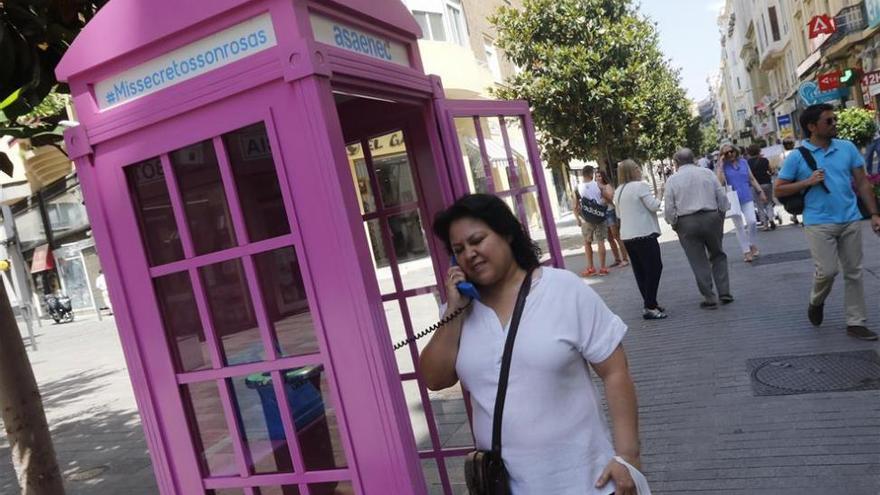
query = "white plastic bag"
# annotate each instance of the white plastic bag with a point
(735, 208)
(641, 482)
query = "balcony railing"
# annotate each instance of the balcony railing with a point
(849, 20)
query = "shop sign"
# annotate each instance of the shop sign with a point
(358, 41)
(872, 7)
(829, 80)
(43, 259)
(810, 93)
(195, 59)
(785, 127)
(871, 83)
(821, 24)
(255, 146)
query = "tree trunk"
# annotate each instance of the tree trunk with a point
(23, 417)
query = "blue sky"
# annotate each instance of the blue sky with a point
(689, 36)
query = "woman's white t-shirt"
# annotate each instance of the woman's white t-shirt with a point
(554, 435)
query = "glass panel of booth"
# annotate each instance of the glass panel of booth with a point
(262, 205)
(472, 157)
(204, 199)
(183, 328)
(152, 205)
(211, 434)
(534, 222)
(232, 312)
(286, 302)
(517, 139)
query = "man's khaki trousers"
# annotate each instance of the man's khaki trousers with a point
(837, 247)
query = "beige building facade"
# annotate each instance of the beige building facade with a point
(784, 64)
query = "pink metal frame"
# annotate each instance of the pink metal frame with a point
(295, 102)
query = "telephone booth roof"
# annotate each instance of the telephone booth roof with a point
(124, 26)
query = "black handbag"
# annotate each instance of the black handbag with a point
(794, 204)
(484, 471)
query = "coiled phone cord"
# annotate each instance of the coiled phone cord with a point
(455, 314)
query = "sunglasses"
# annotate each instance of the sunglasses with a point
(729, 152)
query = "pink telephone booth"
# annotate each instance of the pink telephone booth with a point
(260, 176)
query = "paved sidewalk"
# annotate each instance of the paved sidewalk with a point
(703, 430)
(91, 409)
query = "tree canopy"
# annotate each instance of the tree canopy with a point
(34, 35)
(599, 86)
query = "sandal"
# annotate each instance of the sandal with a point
(616, 263)
(588, 272)
(748, 258)
(603, 272)
(624, 263)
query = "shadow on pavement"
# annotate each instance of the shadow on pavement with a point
(100, 451)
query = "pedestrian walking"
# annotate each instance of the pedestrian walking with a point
(590, 207)
(555, 436)
(637, 209)
(695, 204)
(621, 258)
(831, 213)
(734, 171)
(760, 168)
(101, 285)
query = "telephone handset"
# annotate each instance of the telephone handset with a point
(466, 289)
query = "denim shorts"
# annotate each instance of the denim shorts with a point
(611, 218)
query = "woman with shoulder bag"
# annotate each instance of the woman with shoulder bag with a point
(734, 171)
(543, 419)
(637, 209)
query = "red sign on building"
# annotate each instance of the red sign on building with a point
(829, 80)
(821, 24)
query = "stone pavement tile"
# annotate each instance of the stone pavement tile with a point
(703, 430)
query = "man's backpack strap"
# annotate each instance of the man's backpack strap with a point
(811, 162)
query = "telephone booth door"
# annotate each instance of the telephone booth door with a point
(489, 148)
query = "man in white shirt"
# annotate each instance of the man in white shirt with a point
(695, 206)
(592, 232)
(101, 285)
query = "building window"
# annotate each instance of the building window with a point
(431, 24)
(455, 18)
(492, 59)
(774, 23)
(763, 29)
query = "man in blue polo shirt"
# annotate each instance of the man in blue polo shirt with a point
(831, 214)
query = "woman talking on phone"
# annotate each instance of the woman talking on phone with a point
(553, 435)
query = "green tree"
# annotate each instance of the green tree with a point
(857, 125)
(595, 78)
(710, 137)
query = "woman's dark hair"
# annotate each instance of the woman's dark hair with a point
(497, 215)
(754, 149)
(811, 115)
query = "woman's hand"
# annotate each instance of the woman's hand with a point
(617, 472)
(454, 299)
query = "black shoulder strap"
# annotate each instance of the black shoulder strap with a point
(505, 362)
(811, 162)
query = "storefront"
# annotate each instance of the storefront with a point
(55, 238)
(260, 176)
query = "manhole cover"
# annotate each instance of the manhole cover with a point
(834, 372)
(784, 257)
(87, 474)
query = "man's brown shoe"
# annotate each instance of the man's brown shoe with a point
(861, 333)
